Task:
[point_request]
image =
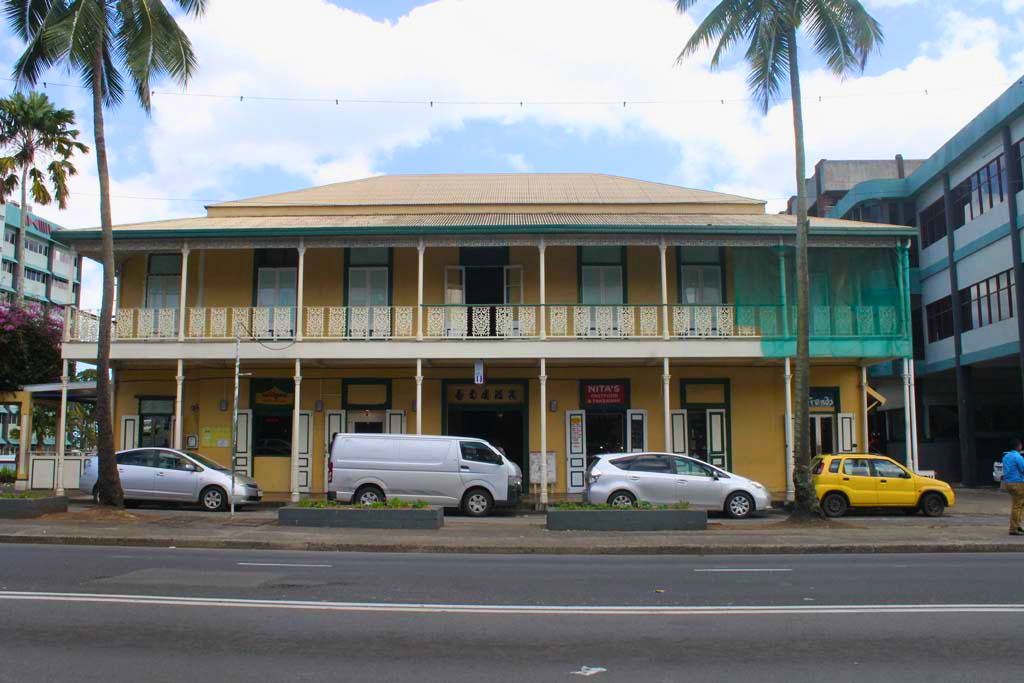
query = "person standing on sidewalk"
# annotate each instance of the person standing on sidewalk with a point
(1013, 479)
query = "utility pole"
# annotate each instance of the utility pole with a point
(234, 422)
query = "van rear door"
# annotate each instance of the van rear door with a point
(481, 466)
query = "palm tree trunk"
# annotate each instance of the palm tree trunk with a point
(109, 482)
(806, 500)
(19, 284)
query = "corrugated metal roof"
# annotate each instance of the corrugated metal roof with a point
(497, 188)
(409, 223)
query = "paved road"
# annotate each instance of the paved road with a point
(167, 614)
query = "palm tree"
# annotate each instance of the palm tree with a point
(106, 43)
(843, 34)
(34, 133)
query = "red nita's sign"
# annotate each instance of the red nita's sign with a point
(604, 393)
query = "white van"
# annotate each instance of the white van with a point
(441, 470)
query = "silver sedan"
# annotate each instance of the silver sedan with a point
(624, 479)
(165, 474)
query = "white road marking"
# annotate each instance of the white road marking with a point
(590, 670)
(273, 564)
(742, 570)
(572, 610)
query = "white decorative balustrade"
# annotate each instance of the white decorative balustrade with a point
(468, 322)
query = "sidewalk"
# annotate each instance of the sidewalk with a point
(977, 524)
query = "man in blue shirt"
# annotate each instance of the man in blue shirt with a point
(1013, 480)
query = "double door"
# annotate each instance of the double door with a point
(702, 433)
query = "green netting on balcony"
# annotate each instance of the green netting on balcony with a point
(857, 307)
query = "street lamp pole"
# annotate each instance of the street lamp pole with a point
(234, 424)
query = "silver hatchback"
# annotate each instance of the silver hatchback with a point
(663, 479)
(165, 474)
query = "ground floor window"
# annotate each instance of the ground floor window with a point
(156, 418)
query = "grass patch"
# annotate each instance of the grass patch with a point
(23, 495)
(683, 505)
(389, 504)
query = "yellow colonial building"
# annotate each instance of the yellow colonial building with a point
(575, 314)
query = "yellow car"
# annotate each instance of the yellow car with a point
(875, 481)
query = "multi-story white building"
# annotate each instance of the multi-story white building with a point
(52, 270)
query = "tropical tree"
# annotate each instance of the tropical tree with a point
(34, 134)
(843, 34)
(108, 44)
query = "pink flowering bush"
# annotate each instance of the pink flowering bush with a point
(30, 340)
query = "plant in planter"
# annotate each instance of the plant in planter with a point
(639, 517)
(394, 513)
(7, 476)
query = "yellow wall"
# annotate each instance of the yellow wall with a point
(756, 417)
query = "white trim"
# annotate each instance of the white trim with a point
(334, 423)
(680, 433)
(847, 427)
(305, 465)
(575, 459)
(394, 422)
(129, 432)
(631, 417)
(242, 460)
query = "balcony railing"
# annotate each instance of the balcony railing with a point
(464, 322)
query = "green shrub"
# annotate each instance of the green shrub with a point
(8, 475)
(641, 505)
(389, 504)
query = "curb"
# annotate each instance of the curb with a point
(713, 549)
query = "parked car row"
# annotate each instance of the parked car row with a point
(475, 476)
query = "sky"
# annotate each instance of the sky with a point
(571, 63)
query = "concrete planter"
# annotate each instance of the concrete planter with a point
(627, 520)
(23, 508)
(362, 518)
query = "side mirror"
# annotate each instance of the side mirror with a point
(190, 467)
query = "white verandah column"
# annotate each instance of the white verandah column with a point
(179, 381)
(183, 291)
(419, 395)
(542, 316)
(913, 413)
(62, 427)
(543, 378)
(666, 380)
(906, 414)
(788, 376)
(296, 410)
(864, 432)
(662, 248)
(300, 292)
(420, 249)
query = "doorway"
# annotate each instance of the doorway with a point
(823, 435)
(366, 421)
(502, 427)
(606, 433)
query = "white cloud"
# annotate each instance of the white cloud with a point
(518, 163)
(534, 50)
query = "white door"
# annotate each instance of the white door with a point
(636, 431)
(680, 432)
(277, 289)
(395, 422)
(129, 432)
(368, 287)
(847, 432)
(602, 286)
(243, 443)
(717, 448)
(305, 451)
(575, 451)
(334, 423)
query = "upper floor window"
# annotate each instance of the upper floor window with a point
(37, 247)
(939, 316)
(988, 301)
(10, 236)
(979, 192)
(602, 275)
(7, 267)
(701, 275)
(35, 275)
(933, 223)
(163, 280)
(368, 276)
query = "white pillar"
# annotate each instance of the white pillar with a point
(182, 309)
(908, 439)
(179, 380)
(295, 430)
(543, 426)
(419, 307)
(865, 436)
(62, 427)
(662, 248)
(419, 395)
(542, 317)
(913, 413)
(666, 380)
(788, 376)
(299, 311)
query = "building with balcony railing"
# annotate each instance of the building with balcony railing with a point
(52, 271)
(966, 281)
(568, 314)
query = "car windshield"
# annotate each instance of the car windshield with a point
(206, 462)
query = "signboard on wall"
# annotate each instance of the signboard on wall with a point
(274, 396)
(535, 462)
(823, 398)
(486, 394)
(576, 434)
(219, 437)
(604, 394)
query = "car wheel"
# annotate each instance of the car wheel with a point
(622, 499)
(213, 499)
(739, 505)
(368, 495)
(834, 505)
(933, 505)
(477, 503)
